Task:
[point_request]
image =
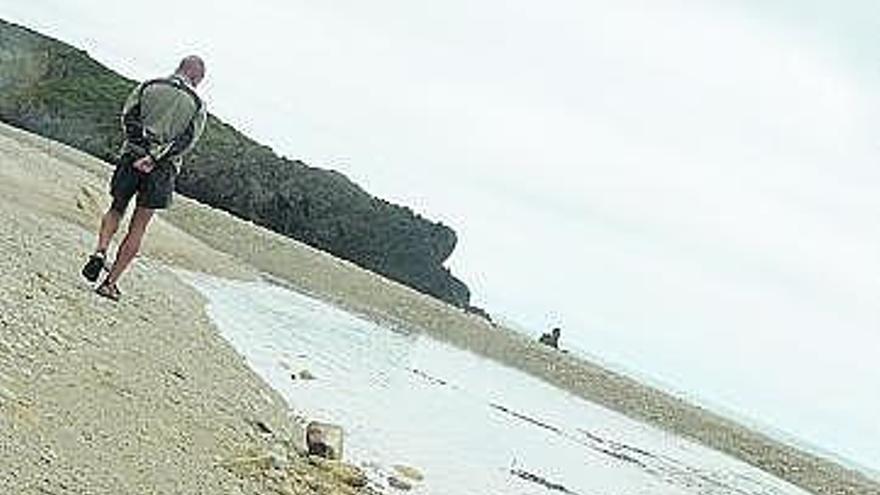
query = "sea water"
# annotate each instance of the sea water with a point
(468, 424)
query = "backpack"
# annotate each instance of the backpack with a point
(137, 134)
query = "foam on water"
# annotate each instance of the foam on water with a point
(465, 422)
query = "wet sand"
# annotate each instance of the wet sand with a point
(196, 237)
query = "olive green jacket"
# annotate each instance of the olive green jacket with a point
(163, 119)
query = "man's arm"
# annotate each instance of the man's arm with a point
(187, 141)
(132, 126)
(130, 103)
(133, 129)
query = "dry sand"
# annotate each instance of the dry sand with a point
(58, 207)
(140, 397)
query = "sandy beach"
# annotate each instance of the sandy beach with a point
(138, 397)
(146, 397)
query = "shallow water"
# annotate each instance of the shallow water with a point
(467, 423)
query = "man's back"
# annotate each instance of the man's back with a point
(166, 110)
(163, 117)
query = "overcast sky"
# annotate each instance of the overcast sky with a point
(690, 189)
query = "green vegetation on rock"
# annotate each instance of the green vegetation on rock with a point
(57, 91)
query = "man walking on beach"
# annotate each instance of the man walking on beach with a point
(162, 120)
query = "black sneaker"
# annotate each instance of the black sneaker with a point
(93, 267)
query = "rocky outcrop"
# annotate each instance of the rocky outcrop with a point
(58, 91)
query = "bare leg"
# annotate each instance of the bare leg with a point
(109, 226)
(132, 243)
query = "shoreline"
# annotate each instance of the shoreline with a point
(750, 423)
(343, 284)
(195, 237)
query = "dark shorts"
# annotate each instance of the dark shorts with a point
(154, 190)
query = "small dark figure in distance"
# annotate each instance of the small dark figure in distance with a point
(551, 339)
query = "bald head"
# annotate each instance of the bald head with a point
(192, 68)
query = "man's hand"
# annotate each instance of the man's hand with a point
(144, 164)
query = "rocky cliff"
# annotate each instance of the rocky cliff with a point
(57, 91)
